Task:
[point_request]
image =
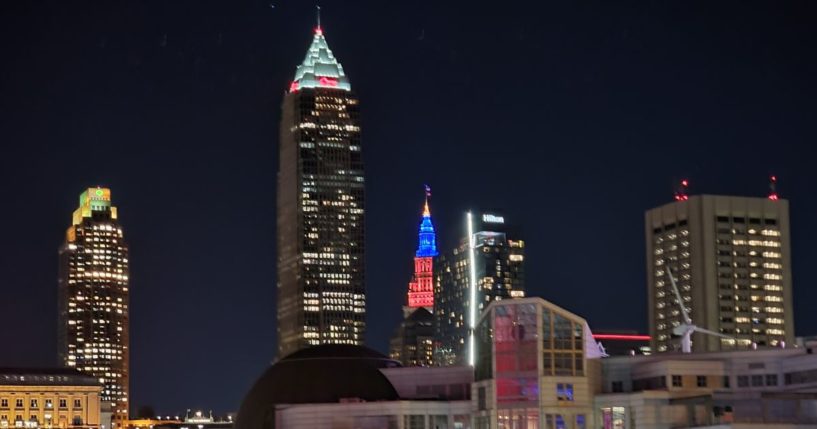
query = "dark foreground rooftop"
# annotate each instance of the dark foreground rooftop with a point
(322, 374)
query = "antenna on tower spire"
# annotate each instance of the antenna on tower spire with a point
(318, 18)
(426, 211)
(773, 188)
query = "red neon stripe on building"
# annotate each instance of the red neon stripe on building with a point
(621, 337)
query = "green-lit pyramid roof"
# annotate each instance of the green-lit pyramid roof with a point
(320, 69)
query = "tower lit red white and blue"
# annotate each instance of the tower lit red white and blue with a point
(421, 287)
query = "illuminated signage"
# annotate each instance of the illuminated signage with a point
(328, 81)
(489, 218)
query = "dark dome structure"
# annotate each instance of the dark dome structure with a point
(319, 374)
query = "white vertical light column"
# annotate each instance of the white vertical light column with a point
(472, 306)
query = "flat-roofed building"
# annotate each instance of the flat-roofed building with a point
(765, 388)
(731, 259)
(51, 398)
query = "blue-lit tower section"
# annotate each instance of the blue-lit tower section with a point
(421, 287)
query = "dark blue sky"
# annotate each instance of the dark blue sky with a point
(572, 116)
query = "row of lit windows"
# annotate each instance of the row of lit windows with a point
(35, 403)
(753, 331)
(754, 320)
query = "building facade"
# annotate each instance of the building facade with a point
(764, 388)
(498, 262)
(51, 398)
(413, 341)
(93, 331)
(537, 366)
(731, 259)
(321, 296)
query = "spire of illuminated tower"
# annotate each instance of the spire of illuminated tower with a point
(427, 244)
(320, 68)
(421, 289)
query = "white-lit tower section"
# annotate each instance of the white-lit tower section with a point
(488, 265)
(321, 296)
(93, 330)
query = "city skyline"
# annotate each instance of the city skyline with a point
(184, 133)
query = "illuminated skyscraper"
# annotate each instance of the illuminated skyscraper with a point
(421, 287)
(93, 330)
(731, 259)
(498, 273)
(321, 296)
(412, 343)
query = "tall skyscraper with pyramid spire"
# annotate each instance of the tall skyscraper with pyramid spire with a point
(413, 342)
(321, 294)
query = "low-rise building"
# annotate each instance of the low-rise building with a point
(767, 388)
(50, 398)
(351, 387)
(537, 367)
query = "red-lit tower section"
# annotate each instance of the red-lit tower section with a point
(421, 287)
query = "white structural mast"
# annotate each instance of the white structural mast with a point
(686, 328)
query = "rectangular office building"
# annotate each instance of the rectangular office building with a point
(731, 259)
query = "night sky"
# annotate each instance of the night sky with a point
(572, 117)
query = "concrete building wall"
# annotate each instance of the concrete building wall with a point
(428, 382)
(376, 415)
(776, 387)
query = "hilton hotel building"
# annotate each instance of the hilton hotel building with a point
(731, 258)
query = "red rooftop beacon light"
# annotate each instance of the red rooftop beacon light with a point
(773, 195)
(682, 191)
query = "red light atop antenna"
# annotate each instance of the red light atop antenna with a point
(773, 188)
(681, 191)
